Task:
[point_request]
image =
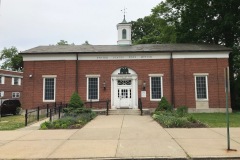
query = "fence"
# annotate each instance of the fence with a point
(52, 111)
(98, 104)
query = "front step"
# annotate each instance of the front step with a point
(126, 112)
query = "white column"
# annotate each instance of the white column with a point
(134, 92)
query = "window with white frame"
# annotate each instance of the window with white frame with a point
(156, 89)
(16, 81)
(2, 79)
(1, 94)
(15, 94)
(201, 86)
(93, 87)
(49, 88)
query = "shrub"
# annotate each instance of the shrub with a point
(182, 111)
(76, 106)
(68, 122)
(170, 121)
(164, 105)
(75, 101)
(177, 119)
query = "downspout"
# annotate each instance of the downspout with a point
(172, 80)
(76, 89)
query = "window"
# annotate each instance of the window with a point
(156, 90)
(1, 94)
(49, 88)
(124, 34)
(16, 81)
(93, 88)
(201, 87)
(2, 80)
(15, 94)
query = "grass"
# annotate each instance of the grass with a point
(218, 119)
(11, 122)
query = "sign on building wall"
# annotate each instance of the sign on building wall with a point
(143, 94)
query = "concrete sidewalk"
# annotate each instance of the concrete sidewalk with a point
(119, 137)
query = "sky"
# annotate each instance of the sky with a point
(29, 23)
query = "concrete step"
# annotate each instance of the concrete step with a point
(127, 112)
(124, 112)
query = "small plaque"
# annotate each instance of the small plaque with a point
(143, 94)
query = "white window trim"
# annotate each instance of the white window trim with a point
(1, 94)
(2, 80)
(15, 94)
(49, 76)
(195, 80)
(19, 81)
(150, 88)
(93, 76)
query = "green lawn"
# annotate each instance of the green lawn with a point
(218, 119)
(11, 122)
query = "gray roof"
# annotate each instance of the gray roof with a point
(126, 48)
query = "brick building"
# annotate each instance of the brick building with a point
(186, 74)
(10, 85)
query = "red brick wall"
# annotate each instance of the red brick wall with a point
(7, 87)
(183, 75)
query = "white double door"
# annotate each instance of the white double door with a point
(124, 96)
(124, 92)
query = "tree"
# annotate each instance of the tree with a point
(11, 59)
(211, 21)
(62, 42)
(153, 29)
(198, 21)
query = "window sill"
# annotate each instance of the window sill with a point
(202, 100)
(48, 100)
(93, 100)
(155, 100)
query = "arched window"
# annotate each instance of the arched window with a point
(124, 34)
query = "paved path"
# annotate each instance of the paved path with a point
(118, 137)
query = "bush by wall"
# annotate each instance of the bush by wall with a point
(75, 115)
(178, 118)
(164, 105)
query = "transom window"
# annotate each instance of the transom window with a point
(124, 34)
(201, 87)
(93, 88)
(49, 89)
(156, 90)
(124, 82)
(15, 94)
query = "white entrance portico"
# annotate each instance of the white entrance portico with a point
(124, 88)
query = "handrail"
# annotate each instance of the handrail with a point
(99, 104)
(50, 111)
(107, 107)
(140, 106)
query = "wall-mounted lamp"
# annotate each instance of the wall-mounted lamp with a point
(144, 86)
(104, 85)
(30, 75)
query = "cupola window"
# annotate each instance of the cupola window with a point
(124, 34)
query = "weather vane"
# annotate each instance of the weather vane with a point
(124, 11)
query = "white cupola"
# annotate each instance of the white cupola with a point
(124, 33)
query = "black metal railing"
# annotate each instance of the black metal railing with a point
(44, 111)
(140, 105)
(98, 105)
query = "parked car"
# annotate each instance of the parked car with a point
(11, 106)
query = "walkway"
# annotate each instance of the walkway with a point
(119, 137)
